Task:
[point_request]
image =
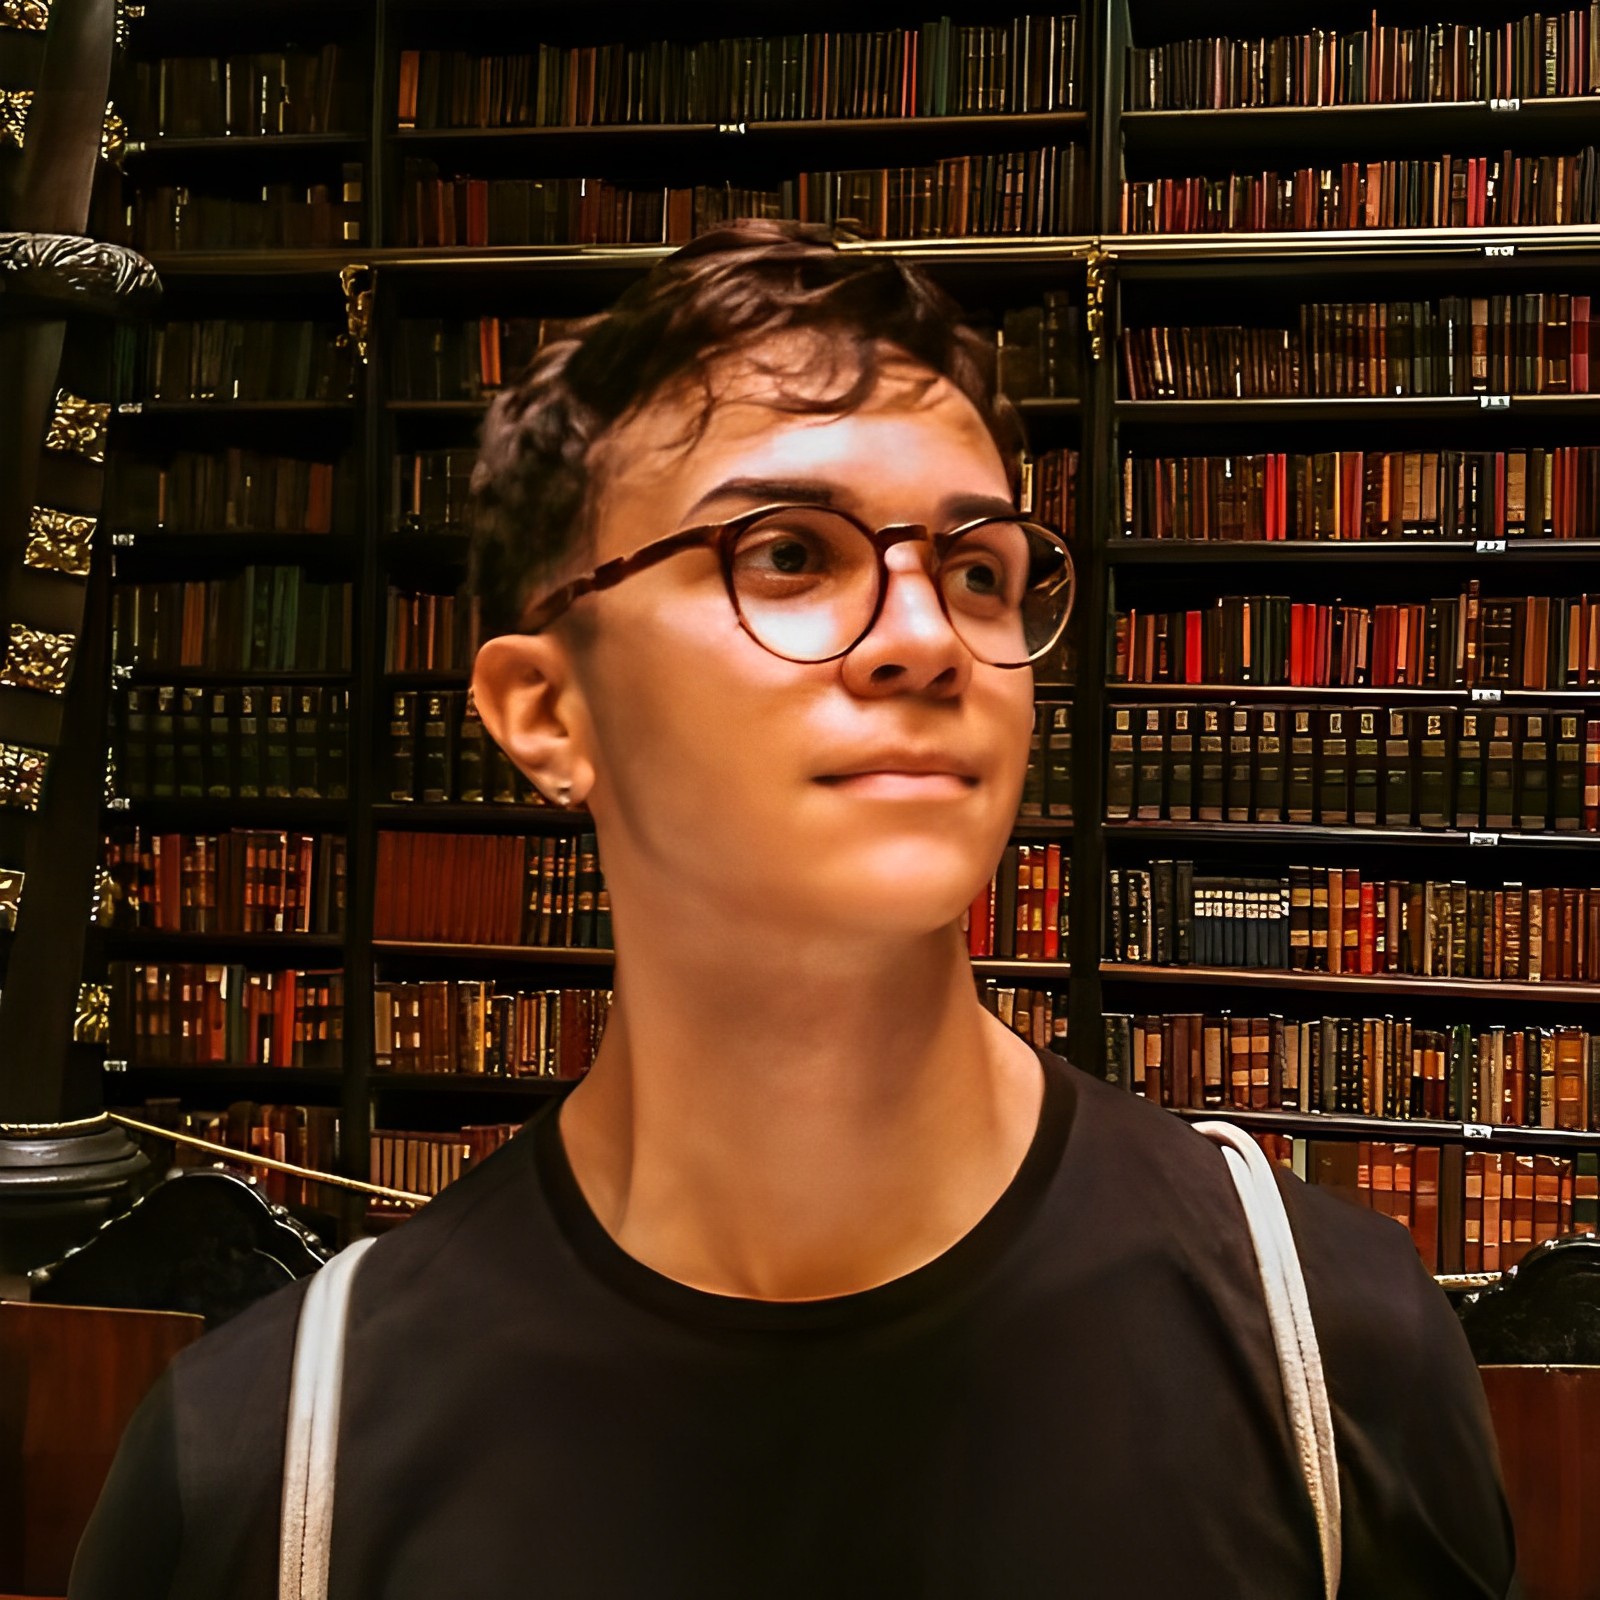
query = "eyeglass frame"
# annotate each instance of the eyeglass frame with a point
(722, 536)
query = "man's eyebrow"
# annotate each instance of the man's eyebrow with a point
(956, 509)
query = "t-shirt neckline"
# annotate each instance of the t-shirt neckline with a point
(939, 1280)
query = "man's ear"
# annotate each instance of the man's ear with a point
(531, 704)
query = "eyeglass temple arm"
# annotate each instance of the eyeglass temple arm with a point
(611, 573)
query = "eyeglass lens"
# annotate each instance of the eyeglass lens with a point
(806, 583)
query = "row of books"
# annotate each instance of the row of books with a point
(487, 889)
(437, 358)
(1038, 348)
(429, 489)
(1335, 919)
(1428, 766)
(1518, 1077)
(440, 752)
(1497, 344)
(460, 358)
(1047, 783)
(235, 490)
(475, 1027)
(307, 1136)
(193, 1013)
(935, 69)
(238, 358)
(425, 1163)
(1463, 641)
(270, 92)
(1028, 192)
(239, 742)
(1447, 192)
(264, 619)
(248, 880)
(1037, 1015)
(279, 216)
(1534, 493)
(1508, 1200)
(1022, 914)
(429, 632)
(1049, 491)
(1380, 64)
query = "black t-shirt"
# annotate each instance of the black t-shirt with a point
(1079, 1397)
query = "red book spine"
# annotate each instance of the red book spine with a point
(1367, 948)
(1052, 903)
(1193, 652)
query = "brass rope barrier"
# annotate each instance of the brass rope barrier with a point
(405, 1197)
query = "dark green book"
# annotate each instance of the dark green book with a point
(1333, 765)
(1364, 768)
(1210, 766)
(1180, 764)
(1398, 788)
(1469, 770)
(402, 745)
(1533, 773)
(135, 777)
(276, 766)
(1119, 764)
(1270, 763)
(1566, 772)
(1434, 733)
(220, 752)
(191, 742)
(248, 740)
(470, 756)
(333, 762)
(1241, 764)
(1300, 796)
(1150, 764)
(1499, 773)
(306, 740)
(1058, 763)
(435, 749)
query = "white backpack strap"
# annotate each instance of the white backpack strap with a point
(1299, 1358)
(311, 1443)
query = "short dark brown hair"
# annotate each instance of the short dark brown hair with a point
(726, 291)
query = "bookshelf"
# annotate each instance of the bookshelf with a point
(1114, 282)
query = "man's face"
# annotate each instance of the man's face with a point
(746, 787)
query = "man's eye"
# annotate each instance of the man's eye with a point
(788, 555)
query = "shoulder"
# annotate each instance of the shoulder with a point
(230, 1389)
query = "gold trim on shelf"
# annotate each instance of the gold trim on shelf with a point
(104, 903)
(37, 660)
(79, 426)
(32, 16)
(14, 104)
(92, 1022)
(126, 14)
(58, 541)
(26, 1128)
(357, 279)
(250, 1158)
(11, 881)
(113, 137)
(22, 771)
(1095, 273)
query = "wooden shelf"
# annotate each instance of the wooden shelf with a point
(1118, 693)
(1355, 408)
(146, 1076)
(277, 949)
(474, 1083)
(1385, 983)
(223, 813)
(1044, 972)
(1130, 552)
(1256, 834)
(493, 954)
(1320, 1124)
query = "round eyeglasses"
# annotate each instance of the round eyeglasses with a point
(807, 582)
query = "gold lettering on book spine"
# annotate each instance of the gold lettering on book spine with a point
(91, 1023)
(58, 541)
(31, 15)
(1095, 271)
(10, 898)
(21, 776)
(37, 660)
(14, 104)
(79, 426)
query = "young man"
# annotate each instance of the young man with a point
(822, 1282)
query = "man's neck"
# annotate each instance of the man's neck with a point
(775, 1130)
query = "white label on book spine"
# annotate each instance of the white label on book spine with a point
(1476, 1130)
(1474, 837)
(1499, 249)
(1501, 103)
(1490, 547)
(1494, 402)
(114, 1064)
(1488, 697)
